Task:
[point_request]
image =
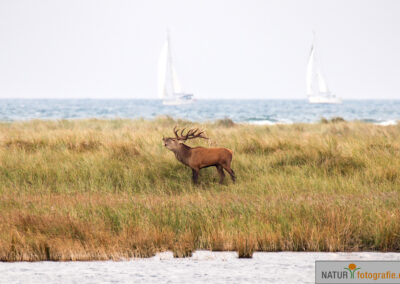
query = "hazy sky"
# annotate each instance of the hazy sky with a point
(223, 49)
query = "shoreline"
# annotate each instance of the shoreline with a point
(260, 122)
(204, 254)
(217, 267)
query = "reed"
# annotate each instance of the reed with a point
(108, 189)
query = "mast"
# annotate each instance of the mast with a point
(162, 71)
(169, 64)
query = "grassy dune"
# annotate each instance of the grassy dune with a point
(94, 189)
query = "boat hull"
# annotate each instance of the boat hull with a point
(180, 99)
(324, 100)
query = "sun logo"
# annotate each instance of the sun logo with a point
(352, 268)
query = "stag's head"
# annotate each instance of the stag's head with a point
(172, 143)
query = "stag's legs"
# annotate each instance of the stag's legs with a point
(195, 176)
(221, 173)
(233, 176)
(230, 171)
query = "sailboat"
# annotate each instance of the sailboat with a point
(169, 87)
(317, 87)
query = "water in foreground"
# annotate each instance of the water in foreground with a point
(202, 267)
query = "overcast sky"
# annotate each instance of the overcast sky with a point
(223, 49)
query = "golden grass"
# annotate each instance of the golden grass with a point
(95, 189)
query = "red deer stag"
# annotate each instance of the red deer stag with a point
(199, 157)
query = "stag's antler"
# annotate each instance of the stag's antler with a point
(191, 134)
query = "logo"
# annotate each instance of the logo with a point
(357, 271)
(352, 268)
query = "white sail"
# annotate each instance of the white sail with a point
(310, 71)
(322, 86)
(317, 87)
(167, 79)
(169, 86)
(175, 81)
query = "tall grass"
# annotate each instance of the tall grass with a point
(108, 189)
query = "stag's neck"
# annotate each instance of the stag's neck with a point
(183, 153)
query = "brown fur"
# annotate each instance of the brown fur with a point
(199, 157)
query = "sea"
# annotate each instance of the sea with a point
(383, 112)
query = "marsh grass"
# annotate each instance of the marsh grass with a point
(108, 189)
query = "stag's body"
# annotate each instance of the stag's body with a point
(200, 157)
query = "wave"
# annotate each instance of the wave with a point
(287, 121)
(258, 112)
(380, 121)
(387, 122)
(268, 122)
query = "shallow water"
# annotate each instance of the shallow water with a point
(250, 111)
(202, 267)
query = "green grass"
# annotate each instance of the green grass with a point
(108, 189)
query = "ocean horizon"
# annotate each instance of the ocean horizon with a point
(253, 111)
